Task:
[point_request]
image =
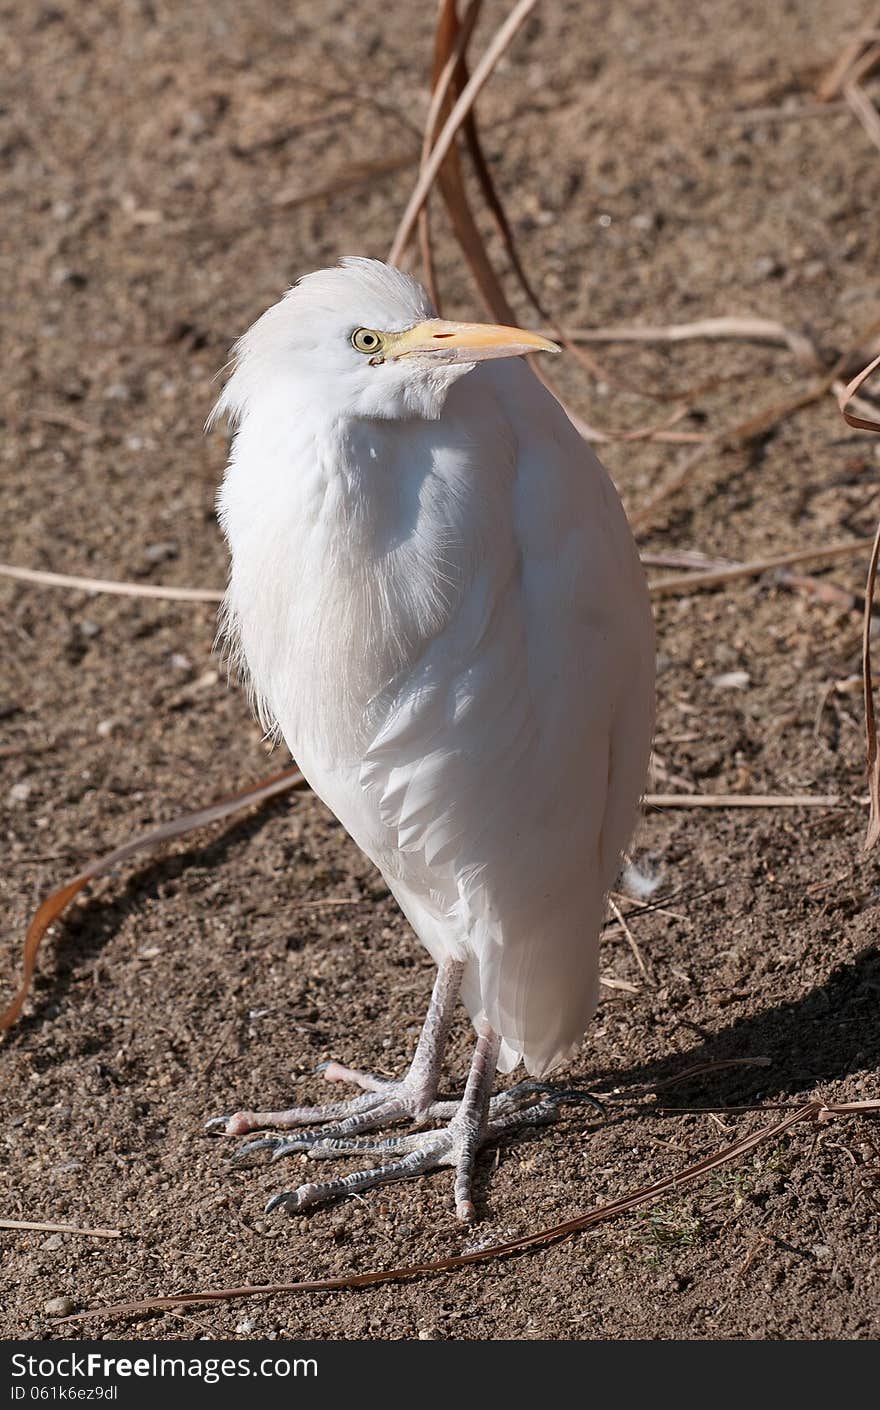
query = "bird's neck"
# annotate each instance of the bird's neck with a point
(352, 545)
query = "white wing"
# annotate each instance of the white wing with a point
(509, 764)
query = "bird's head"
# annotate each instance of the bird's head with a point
(362, 340)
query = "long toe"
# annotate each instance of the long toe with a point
(432, 1149)
(241, 1123)
(338, 1072)
(525, 1094)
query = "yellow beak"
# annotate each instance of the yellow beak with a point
(464, 342)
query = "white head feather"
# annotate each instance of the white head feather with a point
(346, 498)
(304, 341)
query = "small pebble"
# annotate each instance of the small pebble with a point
(732, 680)
(66, 1166)
(54, 1241)
(158, 552)
(59, 1307)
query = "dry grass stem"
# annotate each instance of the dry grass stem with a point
(108, 585)
(356, 175)
(832, 82)
(741, 800)
(41, 1228)
(750, 117)
(864, 110)
(845, 399)
(501, 40)
(716, 577)
(873, 832)
(630, 938)
(752, 330)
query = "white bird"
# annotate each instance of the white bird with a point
(440, 607)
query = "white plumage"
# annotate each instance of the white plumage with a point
(440, 607)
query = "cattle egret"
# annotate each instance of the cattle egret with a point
(439, 605)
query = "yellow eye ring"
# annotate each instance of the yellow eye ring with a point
(366, 340)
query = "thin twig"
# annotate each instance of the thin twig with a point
(450, 44)
(700, 1068)
(720, 571)
(630, 938)
(865, 66)
(112, 586)
(845, 397)
(354, 175)
(752, 428)
(53, 906)
(610, 982)
(759, 330)
(685, 558)
(715, 577)
(833, 80)
(682, 894)
(750, 117)
(330, 903)
(864, 110)
(60, 1229)
(483, 71)
(741, 800)
(873, 832)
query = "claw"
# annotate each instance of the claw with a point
(586, 1099)
(218, 1122)
(282, 1200)
(263, 1143)
(556, 1096)
(290, 1147)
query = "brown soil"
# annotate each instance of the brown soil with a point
(149, 150)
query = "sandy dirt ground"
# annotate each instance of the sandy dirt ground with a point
(156, 159)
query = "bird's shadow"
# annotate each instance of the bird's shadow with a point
(821, 1037)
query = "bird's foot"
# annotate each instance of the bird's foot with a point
(456, 1144)
(384, 1101)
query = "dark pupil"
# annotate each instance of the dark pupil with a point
(369, 339)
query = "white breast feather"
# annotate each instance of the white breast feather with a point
(486, 745)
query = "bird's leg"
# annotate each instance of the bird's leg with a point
(468, 1126)
(383, 1101)
(476, 1120)
(423, 1076)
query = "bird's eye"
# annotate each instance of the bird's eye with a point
(365, 340)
